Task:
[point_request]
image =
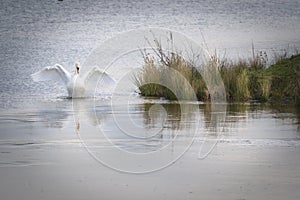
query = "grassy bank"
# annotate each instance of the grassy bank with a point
(244, 80)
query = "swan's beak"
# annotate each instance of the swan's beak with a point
(77, 70)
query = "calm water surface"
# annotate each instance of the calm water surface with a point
(84, 148)
(143, 126)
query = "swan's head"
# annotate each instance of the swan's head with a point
(77, 65)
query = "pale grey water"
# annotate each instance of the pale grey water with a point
(41, 156)
(43, 152)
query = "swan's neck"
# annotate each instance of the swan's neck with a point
(75, 76)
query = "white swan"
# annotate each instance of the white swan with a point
(77, 85)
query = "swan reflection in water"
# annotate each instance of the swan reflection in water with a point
(62, 112)
(132, 126)
(147, 126)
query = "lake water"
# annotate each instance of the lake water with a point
(148, 149)
(52, 147)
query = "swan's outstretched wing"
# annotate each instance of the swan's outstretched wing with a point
(54, 73)
(98, 77)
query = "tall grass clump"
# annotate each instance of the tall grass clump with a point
(259, 84)
(244, 80)
(236, 80)
(169, 75)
